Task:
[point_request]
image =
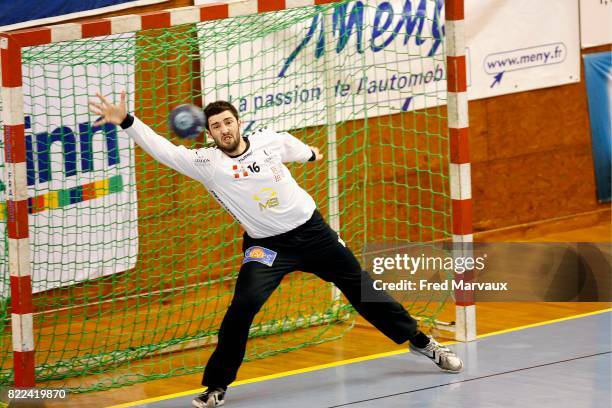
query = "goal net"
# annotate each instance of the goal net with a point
(133, 265)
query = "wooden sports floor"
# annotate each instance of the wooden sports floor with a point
(363, 340)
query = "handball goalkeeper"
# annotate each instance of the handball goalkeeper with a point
(284, 232)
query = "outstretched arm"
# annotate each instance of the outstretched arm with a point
(161, 149)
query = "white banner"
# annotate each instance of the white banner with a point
(81, 185)
(520, 45)
(384, 57)
(595, 22)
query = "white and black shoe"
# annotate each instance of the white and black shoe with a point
(441, 355)
(210, 398)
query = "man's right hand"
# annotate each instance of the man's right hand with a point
(109, 113)
(318, 155)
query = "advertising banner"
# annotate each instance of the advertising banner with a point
(598, 73)
(595, 22)
(81, 184)
(520, 45)
(375, 58)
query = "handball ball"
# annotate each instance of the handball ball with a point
(187, 121)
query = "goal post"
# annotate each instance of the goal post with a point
(460, 168)
(115, 264)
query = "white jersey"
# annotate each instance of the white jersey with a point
(256, 188)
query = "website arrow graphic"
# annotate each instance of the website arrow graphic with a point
(498, 78)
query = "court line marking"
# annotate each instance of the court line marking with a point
(527, 326)
(470, 379)
(348, 361)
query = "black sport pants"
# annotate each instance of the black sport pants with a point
(311, 247)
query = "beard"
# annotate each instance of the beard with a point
(232, 146)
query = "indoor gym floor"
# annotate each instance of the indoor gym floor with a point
(565, 363)
(364, 341)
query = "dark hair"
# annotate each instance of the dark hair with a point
(215, 108)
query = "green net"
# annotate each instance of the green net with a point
(134, 264)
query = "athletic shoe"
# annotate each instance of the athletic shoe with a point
(441, 355)
(210, 398)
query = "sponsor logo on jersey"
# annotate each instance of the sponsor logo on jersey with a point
(259, 254)
(247, 155)
(200, 161)
(239, 172)
(220, 201)
(266, 198)
(277, 172)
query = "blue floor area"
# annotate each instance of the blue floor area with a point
(563, 364)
